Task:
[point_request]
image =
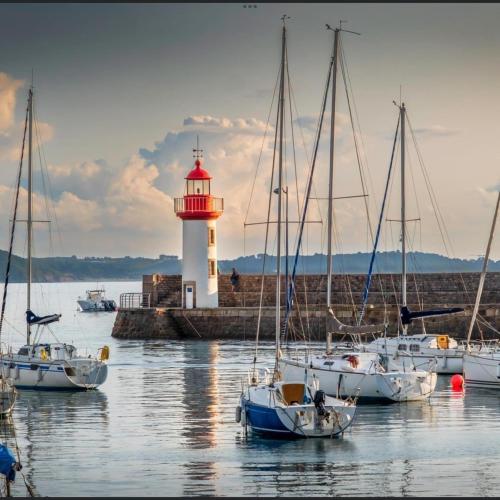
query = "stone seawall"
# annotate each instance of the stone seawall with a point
(237, 316)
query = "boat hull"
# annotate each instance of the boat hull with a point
(390, 386)
(482, 370)
(263, 416)
(79, 375)
(447, 361)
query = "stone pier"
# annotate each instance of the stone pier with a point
(237, 316)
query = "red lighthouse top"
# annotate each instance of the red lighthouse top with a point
(198, 202)
(198, 172)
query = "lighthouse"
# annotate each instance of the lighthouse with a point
(199, 211)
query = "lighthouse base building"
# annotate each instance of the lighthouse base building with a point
(199, 211)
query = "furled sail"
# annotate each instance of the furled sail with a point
(338, 327)
(33, 319)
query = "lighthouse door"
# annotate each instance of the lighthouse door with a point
(189, 297)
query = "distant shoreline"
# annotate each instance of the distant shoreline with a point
(91, 269)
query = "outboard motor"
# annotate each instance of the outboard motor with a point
(319, 403)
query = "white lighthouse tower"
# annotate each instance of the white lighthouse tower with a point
(199, 211)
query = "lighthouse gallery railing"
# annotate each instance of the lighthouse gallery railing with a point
(200, 203)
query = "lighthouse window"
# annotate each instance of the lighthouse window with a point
(211, 236)
(211, 268)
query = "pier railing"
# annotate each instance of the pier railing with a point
(135, 300)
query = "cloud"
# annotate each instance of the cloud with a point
(11, 133)
(88, 179)
(310, 122)
(8, 90)
(244, 124)
(128, 209)
(436, 131)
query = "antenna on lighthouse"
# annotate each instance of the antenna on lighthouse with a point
(198, 153)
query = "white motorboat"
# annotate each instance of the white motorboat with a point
(292, 408)
(95, 301)
(40, 364)
(482, 365)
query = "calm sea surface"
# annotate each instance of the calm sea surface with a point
(163, 424)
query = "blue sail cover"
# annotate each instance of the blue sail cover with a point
(33, 319)
(7, 461)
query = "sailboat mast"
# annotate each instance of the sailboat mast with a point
(403, 213)
(330, 176)
(483, 273)
(29, 220)
(279, 193)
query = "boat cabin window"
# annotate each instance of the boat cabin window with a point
(402, 347)
(414, 348)
(329, 363)
(24, 351)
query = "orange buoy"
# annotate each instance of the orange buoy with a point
(457, 382)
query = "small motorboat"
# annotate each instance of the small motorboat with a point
(95, 301)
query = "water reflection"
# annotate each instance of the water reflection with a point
(60, 421)
(163, 424)
(200, 397)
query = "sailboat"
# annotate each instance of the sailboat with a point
(417, 350)
(353, 372)
(268, 404)
(482, 365)
(40, 364)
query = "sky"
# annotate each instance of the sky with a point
(122, 92)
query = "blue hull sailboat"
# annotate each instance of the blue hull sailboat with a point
(268, 404)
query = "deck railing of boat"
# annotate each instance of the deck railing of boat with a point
(135, 300)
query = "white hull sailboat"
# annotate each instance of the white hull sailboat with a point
(421, 350)
(292, 408)
(362, 373)
(346, 374)
(40, 364)
(482, 365)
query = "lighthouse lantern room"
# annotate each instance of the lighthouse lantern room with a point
(199, 211)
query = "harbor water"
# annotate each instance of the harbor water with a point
(163, 424)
